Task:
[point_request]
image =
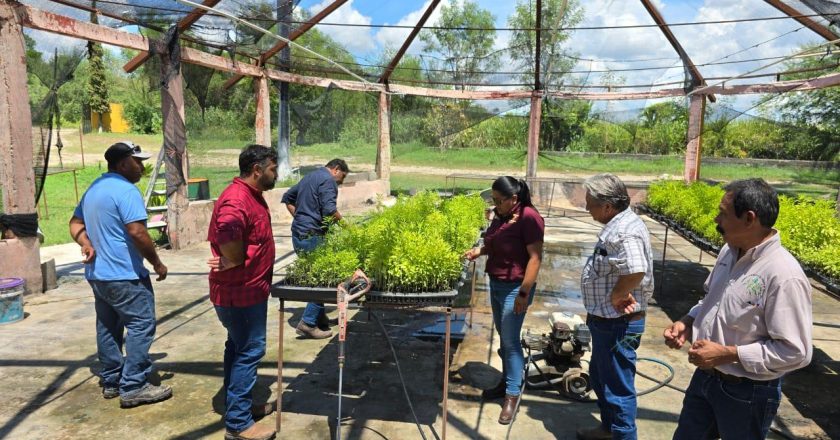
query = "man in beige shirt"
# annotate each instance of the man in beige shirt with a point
(752, 327)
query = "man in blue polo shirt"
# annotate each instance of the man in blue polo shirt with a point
(310, 201)
(110, 226)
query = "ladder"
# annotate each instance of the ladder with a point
(156, 187)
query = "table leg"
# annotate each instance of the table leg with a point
(280, 368)
(446, 368)
(472, 291)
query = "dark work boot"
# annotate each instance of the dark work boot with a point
(147, 394)
(508, 409)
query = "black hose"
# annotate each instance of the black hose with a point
(399, 371)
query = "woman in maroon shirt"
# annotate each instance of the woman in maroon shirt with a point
(513, 244)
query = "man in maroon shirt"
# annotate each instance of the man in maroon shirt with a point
(243, 259)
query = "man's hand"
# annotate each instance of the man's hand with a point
(623, 303)
(472, 254)
(707, 354)
(520, 304)
(220, 264)
(161, 271)
(359, 273)
(89, 253)
(676, 334)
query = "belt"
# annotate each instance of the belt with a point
(728, 378)
(308, 235)
(630, 317)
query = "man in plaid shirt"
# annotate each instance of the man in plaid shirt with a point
(243, 259)
(616, 283)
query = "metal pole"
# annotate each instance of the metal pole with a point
(44, 196)
(662, 266)
(472, 291)
(280, 368)
(446, 368)
(76, 186)
(82, 140)
(284, 168)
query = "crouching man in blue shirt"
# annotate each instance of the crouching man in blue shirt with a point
(110, 226)
(310, 201)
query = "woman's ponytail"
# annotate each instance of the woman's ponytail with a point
(524, 194)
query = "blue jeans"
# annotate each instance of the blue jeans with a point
(313, 310)
(124, 306)
(714, 408)
(612, 371)
(509, 326)
(244, 349)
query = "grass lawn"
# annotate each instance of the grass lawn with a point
(61, 199)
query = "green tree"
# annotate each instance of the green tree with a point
(562, 123)
(554, 56)
(663, 112)
(813, 116)
(97, 90)
(464, 53)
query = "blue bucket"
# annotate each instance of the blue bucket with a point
(11, 300)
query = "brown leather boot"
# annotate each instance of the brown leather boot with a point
(508, 409)
(312, 332)
(254, 432)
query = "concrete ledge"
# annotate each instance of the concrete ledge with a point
(349, 195)
(560, 193)
(196, 219)
(21, 259)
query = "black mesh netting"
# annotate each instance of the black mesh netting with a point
(46, 113)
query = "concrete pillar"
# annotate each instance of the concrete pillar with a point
(383, 153)
(262, 124)
(175, 146)
(696, 109)
(19, 257)
(534, 135)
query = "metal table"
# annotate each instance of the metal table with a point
(318, 295)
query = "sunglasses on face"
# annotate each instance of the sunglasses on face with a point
(498, 202)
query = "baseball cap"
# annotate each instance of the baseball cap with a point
(123, 149)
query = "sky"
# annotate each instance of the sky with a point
(613, 49)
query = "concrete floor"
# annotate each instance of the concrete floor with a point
(49, 361)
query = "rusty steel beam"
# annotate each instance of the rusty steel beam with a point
(805, 21)
(393, 64)
(46, 21)
(697, 78)
(300, 30)
(182, 25)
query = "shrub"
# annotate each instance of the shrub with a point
(143, 117)
(813, 242)
(414, 246)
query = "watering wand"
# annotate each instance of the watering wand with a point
(348, 291)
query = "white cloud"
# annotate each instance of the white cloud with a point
(358, 40)
(394, 37)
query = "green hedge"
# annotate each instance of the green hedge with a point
(808, 227)
(414, 246)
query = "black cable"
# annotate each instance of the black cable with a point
(574, 28)
(503, 29)
(399, 371)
